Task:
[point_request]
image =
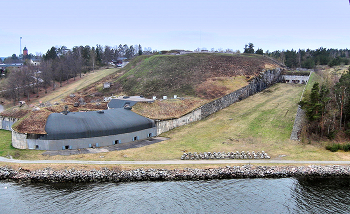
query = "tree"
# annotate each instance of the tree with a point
(259, 51)
(315, 107)
(140, 50)
(51, 54)
(291, 59)
(342, 91)
(99, 53)
(249, 48)
(130, 52)
(108, 54)
(46, 73)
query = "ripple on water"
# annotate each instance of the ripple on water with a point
(286, 195)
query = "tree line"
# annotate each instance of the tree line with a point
(61, 64)
(305, 58)
(327, 107)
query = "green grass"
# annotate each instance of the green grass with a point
(7, 150)
(180, 74)
(5, 143)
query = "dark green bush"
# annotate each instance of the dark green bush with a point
(333, 147)
(346, 147)
(336, 146)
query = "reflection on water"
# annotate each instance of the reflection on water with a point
(225, 196)
(318, 195)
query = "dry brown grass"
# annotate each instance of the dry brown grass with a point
(175, 108)
(33, 123)
(88, 79)
(16, 112)
(167, 109)
(210, 90)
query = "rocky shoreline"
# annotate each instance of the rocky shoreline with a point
(49, 175)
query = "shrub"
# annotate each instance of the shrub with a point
(346, 147)
(333, 147)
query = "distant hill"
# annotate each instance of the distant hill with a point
(189, 74)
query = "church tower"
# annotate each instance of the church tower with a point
(25, 52)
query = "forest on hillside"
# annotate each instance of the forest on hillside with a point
(327, 107)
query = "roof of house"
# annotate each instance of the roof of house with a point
(94, 124)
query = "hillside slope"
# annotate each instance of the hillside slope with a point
(187, 75)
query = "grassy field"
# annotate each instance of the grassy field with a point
(261, 122)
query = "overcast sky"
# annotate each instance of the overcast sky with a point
(174, 24)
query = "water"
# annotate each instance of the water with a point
(1, 108)
(287, 195)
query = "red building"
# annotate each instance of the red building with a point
(25, 51)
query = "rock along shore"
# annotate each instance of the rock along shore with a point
(49, 175)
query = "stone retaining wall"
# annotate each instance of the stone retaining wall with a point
(300, 118)
(259, 83)
(49, 175)
(166, 125)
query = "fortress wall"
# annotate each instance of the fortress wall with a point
(166, 125)
(259, 83)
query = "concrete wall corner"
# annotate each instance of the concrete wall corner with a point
(19, 140)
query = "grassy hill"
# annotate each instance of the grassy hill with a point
(261, 122)
(190, 74)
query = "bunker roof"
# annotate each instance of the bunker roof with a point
(94, 124)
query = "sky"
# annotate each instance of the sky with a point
(174, 24)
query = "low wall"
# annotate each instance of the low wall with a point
(300, 120)
(166, 125)
(7, 122)
(259, 83)
(49, 175)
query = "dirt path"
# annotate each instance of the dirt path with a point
(171, 162)
(89, 78)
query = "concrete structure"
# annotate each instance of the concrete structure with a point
(7, 122)
(77, 130)
(295, 79)
(122, 101)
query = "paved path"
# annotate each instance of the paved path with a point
(171, 162)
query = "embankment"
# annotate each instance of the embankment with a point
(49, 175)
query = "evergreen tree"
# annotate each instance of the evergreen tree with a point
(51, 54)
(140, 50)
(259, 51)
(249, 48)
